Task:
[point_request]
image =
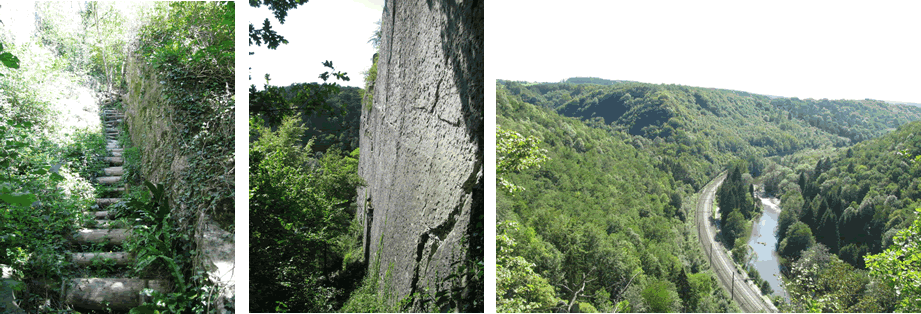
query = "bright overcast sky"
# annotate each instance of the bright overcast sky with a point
(320, 30)
(806, 49)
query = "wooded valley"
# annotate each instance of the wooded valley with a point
(596, 211)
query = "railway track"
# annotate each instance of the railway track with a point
(733, 280)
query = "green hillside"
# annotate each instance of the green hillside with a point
(601, 212)
(697, 131)
(609, 211)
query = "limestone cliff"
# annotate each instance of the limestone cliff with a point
(422, 145)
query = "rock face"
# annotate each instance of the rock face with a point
(422, 145)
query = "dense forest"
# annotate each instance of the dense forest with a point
(597, 223)
(697, 131)
(680, 137)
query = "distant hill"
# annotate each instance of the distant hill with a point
(698, 130)
(592, 80)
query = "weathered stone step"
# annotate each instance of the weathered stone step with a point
(115, 154)
(113, 145)
(110, 293)
(109, 180)
(103, 214)
(86, 259)
(103, 202)
(114, 171)
(118, 161)
(116, 150)
(110, 236)
(106, 223)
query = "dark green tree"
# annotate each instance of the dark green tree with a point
(799, 238)
(685, 292)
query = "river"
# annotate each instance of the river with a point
(763, 242)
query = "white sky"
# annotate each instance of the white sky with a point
(786, 48)
(320, 30)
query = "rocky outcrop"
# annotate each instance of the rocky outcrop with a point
(422, 145)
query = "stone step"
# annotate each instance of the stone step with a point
(115, 154)
(103, 202)
(114, 150)
(103, 214)
(110, 293)
(114, 171)
(109, 180)
(106, 223)
(112, 145)
(110, 236)
(86, 259)
(118, 161)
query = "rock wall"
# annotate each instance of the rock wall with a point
(422, 144)
(150, 120)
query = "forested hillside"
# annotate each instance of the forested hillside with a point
(697, 131)
(856, 201)
(595, 224)
(839, 217)
(334, 120)
(602, 224)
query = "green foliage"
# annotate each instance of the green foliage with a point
(597, 211)
(515, 153)
(337, 125)
(798, 238)
(518, 288)
(855, 200)
(898, 267)
(11, 61)
(370, 77)
(734, 227)
(190, 45)
(698, 131)
(274, 103)
(376, 294)
(42, 195)
(153, 244)
(821, 282)
(661, 297)
(297, 222)
(734, 196)
(266, 34)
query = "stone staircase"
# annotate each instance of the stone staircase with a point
(103, 292)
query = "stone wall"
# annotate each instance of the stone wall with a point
(422, 144)
(151, 124)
